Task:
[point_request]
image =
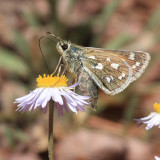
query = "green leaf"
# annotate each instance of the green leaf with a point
(118, 42)
(22, 45)
(31, 19)
(108, 10)
(12, 63)
(130, 111)
(102, 20)
(154, 20)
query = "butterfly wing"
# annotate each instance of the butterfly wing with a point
(138, 60)
(114, 70)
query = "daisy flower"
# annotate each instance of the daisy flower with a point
(153, 119)
(157, 158)
(53, 88)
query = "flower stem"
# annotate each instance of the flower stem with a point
(50, 135)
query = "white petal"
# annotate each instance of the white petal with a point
(56, 95)
(81, 108)
(44, 94)
(29, 96)
(157, 158)
(66, 107)
(68, 98)
(48, 97)
(79, 98)
(149, 127)
(152, 120)
(74, 97)
(33, 100)
(72, 86)
(59, 109)
(63, 96)
(24, 98)
(72, 108)
(32, 106)
(147, 117)
(46, 108)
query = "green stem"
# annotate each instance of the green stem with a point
(50, 135)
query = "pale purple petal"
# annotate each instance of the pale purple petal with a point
(59, 109)
(28, 97)
(149, 127)
(74, 101)
(81, 108)
(157, 158)
(69, 92)
(63, 97)
(40, 100)
(46, 108)
(32, 100)
(42, 97)
(65, 106)
(56, 96)
(48, 97)
(68, 98)
(145, 118)
(72, 86)
(79, 99)
(28, 100)
(152, 120)
(73, 109)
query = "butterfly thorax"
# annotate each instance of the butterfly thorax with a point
(72, 55)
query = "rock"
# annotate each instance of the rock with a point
(24, 156)
(88, 145)
(138, 150)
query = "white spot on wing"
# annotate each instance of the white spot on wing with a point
(131, 56)
(99, 66)
(115, 65)
(118, 89)
(112, 78)
(134, 66)
(92, 57)
(145, 64)
(108, 79)
(137, 63)
(121, 76)
(108, 59)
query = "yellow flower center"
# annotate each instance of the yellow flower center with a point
(50, 81)
(157, 107)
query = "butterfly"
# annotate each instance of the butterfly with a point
(110, 70)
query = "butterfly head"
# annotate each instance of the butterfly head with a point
(63, 46)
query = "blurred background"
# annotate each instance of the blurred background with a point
(110, 133)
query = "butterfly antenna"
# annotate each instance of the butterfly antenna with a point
(56, 37)
(42, 53)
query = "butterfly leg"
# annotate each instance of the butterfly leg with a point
(88, 87)
(75, 81)
(58, 65)
(63, 72)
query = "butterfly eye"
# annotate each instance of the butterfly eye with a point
(64, 46)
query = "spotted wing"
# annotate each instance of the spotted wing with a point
(114, 70)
